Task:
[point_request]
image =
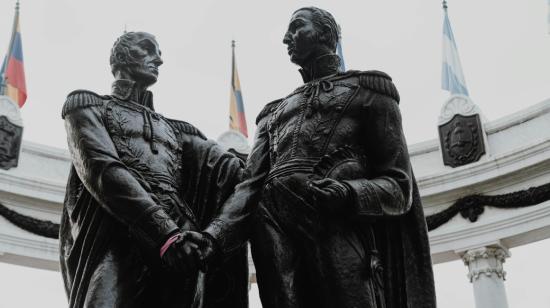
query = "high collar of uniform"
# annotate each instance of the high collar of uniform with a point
(126, 90)
(319, 67)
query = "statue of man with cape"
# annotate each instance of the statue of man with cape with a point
(138, 181)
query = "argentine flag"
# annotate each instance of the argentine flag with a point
(452, 78)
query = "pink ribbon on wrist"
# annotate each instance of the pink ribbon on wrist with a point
(168, 243)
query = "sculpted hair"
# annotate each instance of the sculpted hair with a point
(324, 20)
(120, 53)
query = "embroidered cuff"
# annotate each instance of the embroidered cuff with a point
(224, 237)
(153, 228)
(365, 198)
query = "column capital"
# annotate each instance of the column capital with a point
(486, 261)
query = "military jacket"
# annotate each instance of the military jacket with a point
(355, 115)
(116, 142)
(347, 126)
(137, 178)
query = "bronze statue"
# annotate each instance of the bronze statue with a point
(138, 181)
(336, 215)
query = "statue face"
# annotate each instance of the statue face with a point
(146, 54)
(302, 37)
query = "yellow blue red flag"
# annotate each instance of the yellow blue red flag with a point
(12, 82)
(237, 120)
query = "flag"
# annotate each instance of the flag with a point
(452, 78)
(237, 120)
(13, 72)
(342, 67)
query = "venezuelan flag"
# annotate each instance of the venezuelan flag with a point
(13, 72)
(237, 120)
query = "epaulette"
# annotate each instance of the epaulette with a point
(186, 128)
(81, 99)
(379, 82)
(268, 108)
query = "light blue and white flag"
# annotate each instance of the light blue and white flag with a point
(452, 78)
(342, 67)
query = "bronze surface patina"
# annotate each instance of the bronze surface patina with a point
(139, 181)
(336, 215)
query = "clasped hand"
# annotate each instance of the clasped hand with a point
(330, 195)
(192, 251)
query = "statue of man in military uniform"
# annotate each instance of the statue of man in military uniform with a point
(337, 215)
(139, 181)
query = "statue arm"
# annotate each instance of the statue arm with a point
(389, 191)
(230, 227)
(109, 181)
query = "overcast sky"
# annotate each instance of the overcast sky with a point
(504, 47)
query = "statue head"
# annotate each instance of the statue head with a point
(312, 32)
(136, 56)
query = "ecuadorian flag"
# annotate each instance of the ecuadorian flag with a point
(237, 120)
(13, 72)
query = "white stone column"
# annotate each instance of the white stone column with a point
(487, 275)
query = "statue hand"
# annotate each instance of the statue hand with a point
(180, 256)
(207, 251)
(330, 195)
